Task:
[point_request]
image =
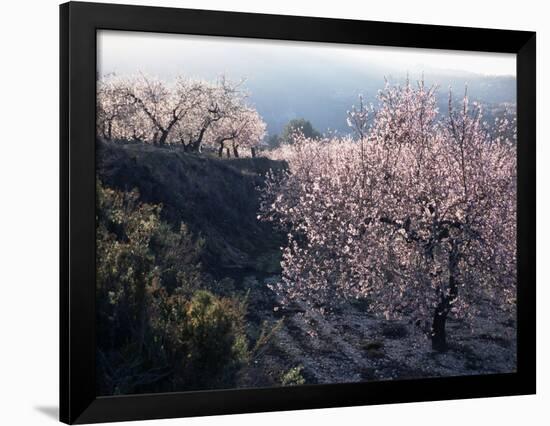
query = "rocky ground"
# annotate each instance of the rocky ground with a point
(351, 345)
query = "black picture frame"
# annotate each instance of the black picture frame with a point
(78, 25)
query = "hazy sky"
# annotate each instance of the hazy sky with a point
(167, 55)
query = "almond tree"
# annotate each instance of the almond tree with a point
(218, 102)
(114, 109)
(162, 107)
(418, 216)
(152, 110)
(242, 128)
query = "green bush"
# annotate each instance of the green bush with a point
(293, 377)
(298, 125)
(158, 330)
(203, 338)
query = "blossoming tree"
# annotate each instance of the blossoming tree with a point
(186, 112)
(243, 128)
(114, 110)
(418, 214)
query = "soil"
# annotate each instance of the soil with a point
(353, 345)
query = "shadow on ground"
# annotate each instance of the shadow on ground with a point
(50, 411)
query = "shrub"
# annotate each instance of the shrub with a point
(158, 330)
(204, 338)
(293, 377)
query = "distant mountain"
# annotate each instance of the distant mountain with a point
(323, 96)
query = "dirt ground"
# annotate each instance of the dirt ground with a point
(352, 345)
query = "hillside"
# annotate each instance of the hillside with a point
(217, 198)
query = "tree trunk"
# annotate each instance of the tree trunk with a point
(195, 146)
(228, 152)
(162, 139)
(439, 336)
(235, 152)
(220, 151)
(253, 152)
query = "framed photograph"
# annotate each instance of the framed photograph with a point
(264, 212)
